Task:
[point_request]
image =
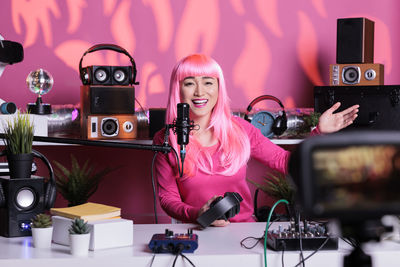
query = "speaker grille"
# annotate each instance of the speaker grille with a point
(355, 41)
(112, 100)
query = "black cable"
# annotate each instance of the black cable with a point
(152, 260)
(177, 161)
(283, 252)
(152, 173)
(183, 256)
(154, 188)
(300, 239)
(349, 241)
(166, 137)
(183, 155)
(252, 246)
(176, 257)
(315, 251)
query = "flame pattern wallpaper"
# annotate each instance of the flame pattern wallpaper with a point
(282, 48)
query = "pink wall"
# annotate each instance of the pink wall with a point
(282, 48)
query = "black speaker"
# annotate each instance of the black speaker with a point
(107, 100)
(108, 75)
(379, 105)
(24, 198)
(355, 41)
(156, 120)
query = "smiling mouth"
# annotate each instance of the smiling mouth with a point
(200, 103)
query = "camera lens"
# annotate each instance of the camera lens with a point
(351, 75)
(109, 127)
(119, 76)
(101, 75)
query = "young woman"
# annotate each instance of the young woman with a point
(218, 152)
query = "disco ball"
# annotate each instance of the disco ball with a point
(40, 81)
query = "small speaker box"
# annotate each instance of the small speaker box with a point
(355, 41)
(107, 99)
(108, 75)
(356, 74)
(115, 126)
(24, 199)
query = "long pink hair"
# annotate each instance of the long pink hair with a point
(234, 143)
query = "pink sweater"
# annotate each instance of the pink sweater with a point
(183, 198)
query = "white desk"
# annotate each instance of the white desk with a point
(217, 247)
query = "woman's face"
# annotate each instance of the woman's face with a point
(201, 93)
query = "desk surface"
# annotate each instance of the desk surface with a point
(217, 247)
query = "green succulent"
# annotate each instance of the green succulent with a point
(312, 119)
(79, 183)
(78, 227)
(18, 134)
(278, 187)
(41, 220)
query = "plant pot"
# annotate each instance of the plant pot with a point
(20, 165)
(42, 237)
(79, 244)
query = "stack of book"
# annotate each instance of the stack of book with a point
(107, 228)
(88, 212)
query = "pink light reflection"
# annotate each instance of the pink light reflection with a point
(307, 49)
(254, 61)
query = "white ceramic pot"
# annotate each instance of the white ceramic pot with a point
(79, 244)
(42, 237)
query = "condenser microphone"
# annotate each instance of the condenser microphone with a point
(182, 126)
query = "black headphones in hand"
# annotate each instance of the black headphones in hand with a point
(263, 118)
(222, 208)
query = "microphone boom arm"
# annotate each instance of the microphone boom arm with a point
(46, 139)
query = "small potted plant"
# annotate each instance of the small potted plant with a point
(79, 183)
(79, 237)
(18, 140)
(278, 187)
(311, 120)
(42, 230)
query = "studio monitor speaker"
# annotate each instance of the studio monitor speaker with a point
(356, 74)
(24, 198)
(112, 127)
(355, 41)
(107, 99)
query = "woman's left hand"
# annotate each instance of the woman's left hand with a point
(329, 122)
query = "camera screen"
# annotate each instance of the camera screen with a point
(361, 177)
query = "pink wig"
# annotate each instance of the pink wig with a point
(233, 141)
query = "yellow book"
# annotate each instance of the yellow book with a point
(88, 211)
